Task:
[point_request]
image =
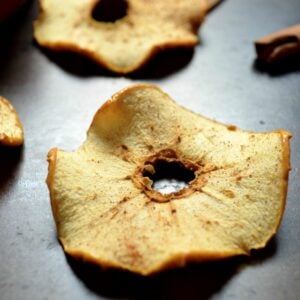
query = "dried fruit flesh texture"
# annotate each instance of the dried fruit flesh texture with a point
(126, 44)
(107, 213)
(11, 130)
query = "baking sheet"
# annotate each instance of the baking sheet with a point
(56, 96)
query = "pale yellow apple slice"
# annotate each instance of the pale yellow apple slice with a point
(107, 212)
(126, 44)
(11, 129)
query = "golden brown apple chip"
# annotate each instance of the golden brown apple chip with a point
(125, 41)
(11, 130)
(107, 211)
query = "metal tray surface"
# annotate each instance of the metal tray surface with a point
(56, 96)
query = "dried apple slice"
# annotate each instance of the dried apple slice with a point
(127, 34)
(11, 129)
(107, 211)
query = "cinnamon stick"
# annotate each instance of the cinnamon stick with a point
(279, 45)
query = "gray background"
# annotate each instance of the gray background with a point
(57, 95)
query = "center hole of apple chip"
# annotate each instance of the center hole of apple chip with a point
(168, 176)
(109, 10)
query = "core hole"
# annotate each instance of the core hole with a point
(109, 10)
(169, 177)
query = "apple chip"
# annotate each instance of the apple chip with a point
(119, 35)
(11, 130)
(108, 211)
